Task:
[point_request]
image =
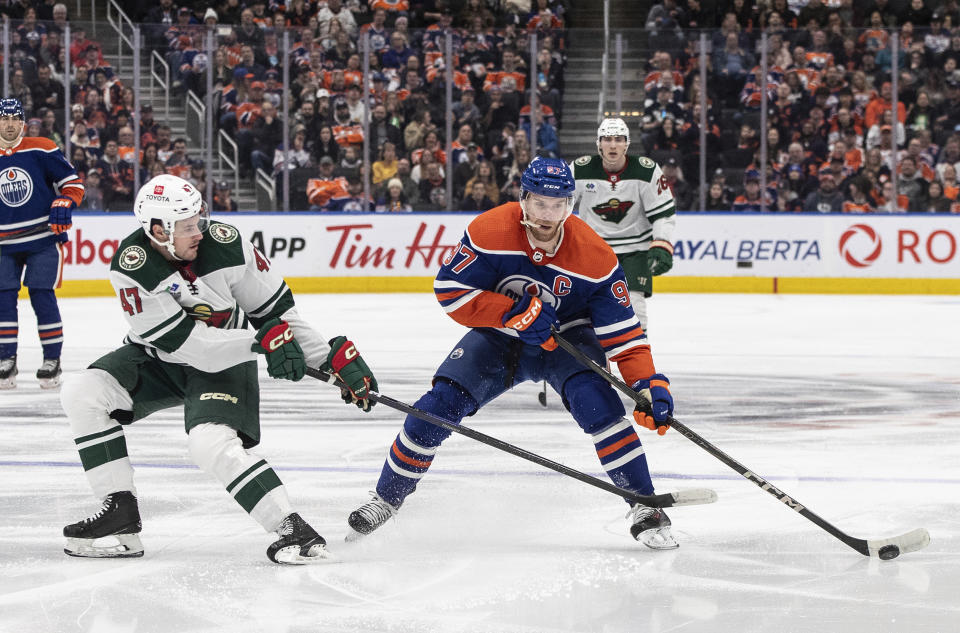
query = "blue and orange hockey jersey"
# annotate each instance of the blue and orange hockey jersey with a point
(494, 264)
(32, 175)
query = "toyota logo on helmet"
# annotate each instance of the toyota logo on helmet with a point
(873, 245)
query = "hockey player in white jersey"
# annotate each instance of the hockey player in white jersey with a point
(188, 289)
(626, 199)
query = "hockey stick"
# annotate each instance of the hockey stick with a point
(34, 230)
(886, 549)
(679, 498)
(542, 396)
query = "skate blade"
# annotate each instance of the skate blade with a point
(127, 546)
(658, 538)
(49, 383)
(291, 556)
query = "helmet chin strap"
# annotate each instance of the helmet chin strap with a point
(168, 246)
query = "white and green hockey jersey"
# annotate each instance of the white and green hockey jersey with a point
(198, 315)
(628, 210)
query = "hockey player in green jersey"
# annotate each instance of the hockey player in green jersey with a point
(188, 289)
(626, 199)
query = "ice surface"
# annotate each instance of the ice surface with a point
(849, 404)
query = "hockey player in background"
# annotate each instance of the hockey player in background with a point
(628, 201)
(519, 269)
(188, 288)
(39, 190)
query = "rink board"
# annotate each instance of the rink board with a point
(714, 252)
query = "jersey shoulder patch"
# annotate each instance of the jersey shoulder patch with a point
(583, 160)
(220, 248)
(639, 168)
(497, 229)
(136, 259)
(583, 252)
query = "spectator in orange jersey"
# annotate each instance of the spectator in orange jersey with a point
(325, 186)
(857, 200)
(881, 103)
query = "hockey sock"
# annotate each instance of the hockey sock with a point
(87, 398)
(639, 303)
(49, 325)
(9, 327)
(250, 480)
(416, 445)
(622, 456)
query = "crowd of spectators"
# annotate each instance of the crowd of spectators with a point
(833, 140)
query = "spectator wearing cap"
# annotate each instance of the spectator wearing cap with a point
(222, 200)
(393, 199)
(343, 15)
(465, 169)
(326, 185)
(248, 32)
(210, 17)
(345, 131)
(465, 111)
(356, 106)
(881, 134)
(750, 199)
(826, 198)
(682, 192)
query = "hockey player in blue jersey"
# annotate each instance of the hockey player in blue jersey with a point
(39, 190)
(519, 269)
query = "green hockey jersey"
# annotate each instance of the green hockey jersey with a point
(629, 209)
(197, 314)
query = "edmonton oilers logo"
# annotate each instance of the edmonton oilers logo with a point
(16, 187)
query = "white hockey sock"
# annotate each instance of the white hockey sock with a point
(249, 479)
(639, 303)
(88, 398)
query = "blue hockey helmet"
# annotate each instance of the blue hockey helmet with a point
(11, 107)
(550, 177)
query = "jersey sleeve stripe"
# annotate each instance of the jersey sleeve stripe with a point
(451, 306)
(616, 327)
(445, 296)
(635, 333)
(166, 324)
(660, 207)
(171, 341)
(612, 354)
(72, 179)
(265, 307)
(447, 284)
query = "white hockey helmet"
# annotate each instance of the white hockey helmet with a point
(167, 200)
(613, 127)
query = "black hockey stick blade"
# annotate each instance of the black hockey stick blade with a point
(542, 396)
(885, 549)
(688, 497)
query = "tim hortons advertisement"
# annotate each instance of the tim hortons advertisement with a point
(298, 245)
(705, 245)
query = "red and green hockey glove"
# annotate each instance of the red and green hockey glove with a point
(661, 404)
(61, 214)
(345, 362)
(285, 359)
(660, 257)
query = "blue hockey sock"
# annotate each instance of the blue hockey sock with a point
(621, 455)
(9, 327)
(416, 445)
(49, 325)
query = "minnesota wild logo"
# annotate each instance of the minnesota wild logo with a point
(205, 313)
(613, 210)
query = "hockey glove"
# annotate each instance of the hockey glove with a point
(660, 257)
(284, 357)
(345, 362)
(61, 215)
(661, 403)
(532, 318)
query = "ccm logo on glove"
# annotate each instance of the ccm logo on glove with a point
(276, 336)
(523, 320)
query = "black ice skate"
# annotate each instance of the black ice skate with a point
(119, 519)
(369, 517)
(49, 373)
(8, 373)
(651, 526)
(299, 543)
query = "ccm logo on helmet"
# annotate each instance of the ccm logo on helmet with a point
(285, 337)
